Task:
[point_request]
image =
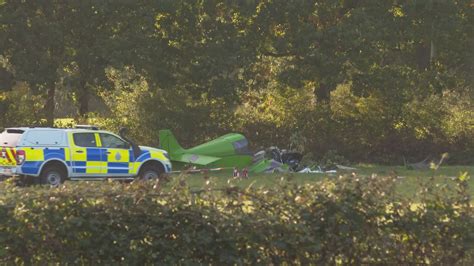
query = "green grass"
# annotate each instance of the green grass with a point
(409, 180)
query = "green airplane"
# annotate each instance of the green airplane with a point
(228, 151)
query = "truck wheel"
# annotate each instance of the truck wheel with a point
(52, 176)
(150, 173)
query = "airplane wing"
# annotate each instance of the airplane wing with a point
(195, 159)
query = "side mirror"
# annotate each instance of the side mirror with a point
(136, 149)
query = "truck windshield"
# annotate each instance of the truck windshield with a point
(10, 137)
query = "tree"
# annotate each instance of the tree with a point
(32, 42)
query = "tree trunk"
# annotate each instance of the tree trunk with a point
(423, 53)
(49, 106)
(84, 101)
(322, 93)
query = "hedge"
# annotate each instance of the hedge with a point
(345, 220)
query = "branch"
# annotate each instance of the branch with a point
(272, 54)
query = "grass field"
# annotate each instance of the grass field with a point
(409, 180)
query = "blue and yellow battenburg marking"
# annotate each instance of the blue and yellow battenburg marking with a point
(88, 160)
(102, 161)
(37, 156)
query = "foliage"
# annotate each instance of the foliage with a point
(346, 220)
(331, 159)
(371, 80)
(21, 104)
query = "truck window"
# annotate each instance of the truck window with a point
(111, 141)
(10, 137)
(84, 139)
(43, 137)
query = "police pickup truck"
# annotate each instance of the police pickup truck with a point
(52, 155)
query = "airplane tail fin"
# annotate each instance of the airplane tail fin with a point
(168, 142)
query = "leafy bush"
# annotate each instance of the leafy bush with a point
(332, 158)
(347, 220)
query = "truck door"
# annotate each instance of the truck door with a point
(118, 155)
(86, 156)
(8, 142)
(8, 157)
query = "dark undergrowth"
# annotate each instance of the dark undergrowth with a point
(346, 220)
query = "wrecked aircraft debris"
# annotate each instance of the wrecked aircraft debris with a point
(228, 151)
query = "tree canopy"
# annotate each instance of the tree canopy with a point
(370, 80)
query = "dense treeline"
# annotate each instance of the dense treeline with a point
(347, 220)
(369, 80)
